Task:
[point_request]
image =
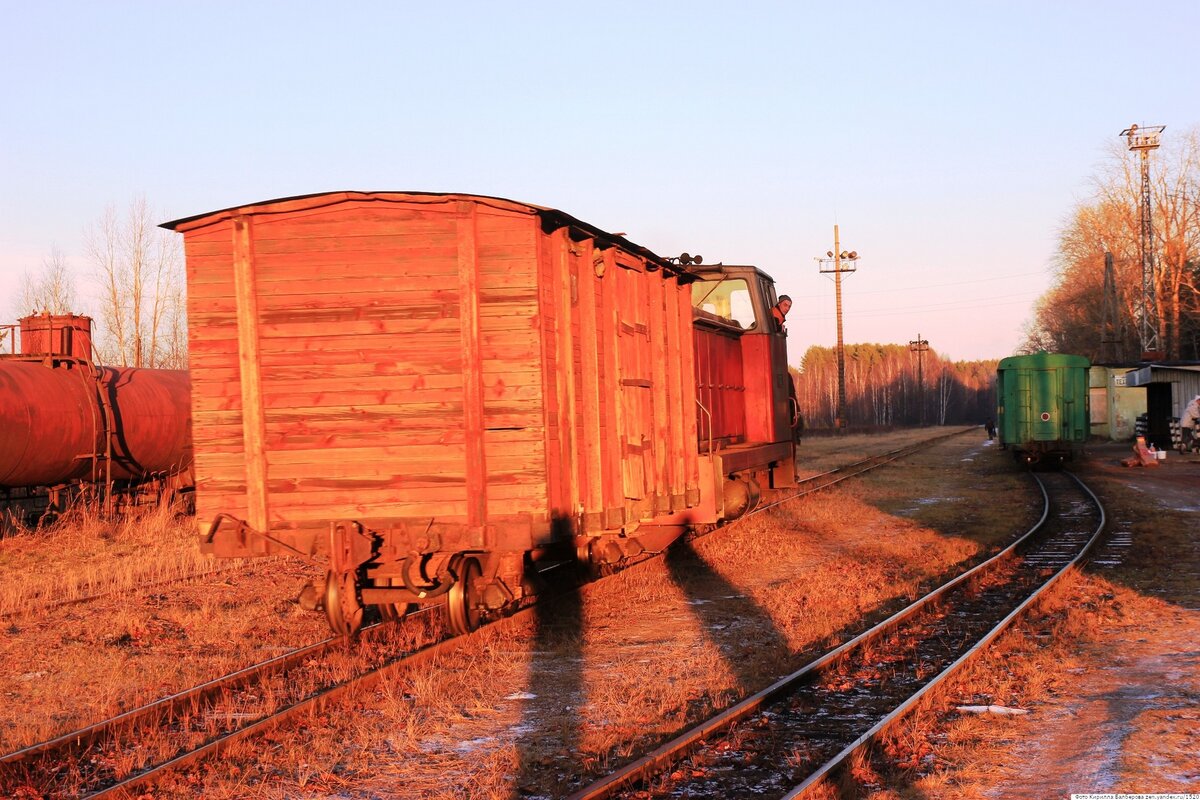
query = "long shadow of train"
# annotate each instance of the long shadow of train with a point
(755, 650)
(735, 625)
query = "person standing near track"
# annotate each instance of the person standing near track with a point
(1189, 423)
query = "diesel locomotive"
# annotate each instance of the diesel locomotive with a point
(428, 393)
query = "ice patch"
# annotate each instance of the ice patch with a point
(473, 744)
(520, 696)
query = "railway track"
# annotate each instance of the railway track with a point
(207, 719)
(823, 480)
(789, 738)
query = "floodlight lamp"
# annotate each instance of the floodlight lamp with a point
(853, 255)
(829, 253)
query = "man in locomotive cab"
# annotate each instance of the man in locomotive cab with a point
(779, 313)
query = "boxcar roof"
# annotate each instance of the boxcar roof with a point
(1043, 360)
(552, 219)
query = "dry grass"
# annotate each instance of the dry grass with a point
(522, 709)
(83, 554)
(530, 710)
(145, 635)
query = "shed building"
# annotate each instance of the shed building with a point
(1169, 388)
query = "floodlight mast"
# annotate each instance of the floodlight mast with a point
(838, 261)
(1143, 140)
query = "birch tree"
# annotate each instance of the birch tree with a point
(139, 270)
(51, 290)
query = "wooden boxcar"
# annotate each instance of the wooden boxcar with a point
(432, 389)
(1043, 406)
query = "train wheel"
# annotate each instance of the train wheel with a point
(389, 612)
(342, 606)
(464, 600)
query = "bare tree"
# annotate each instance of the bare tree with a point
(51, 290)
(1070, 317)
(139, 271)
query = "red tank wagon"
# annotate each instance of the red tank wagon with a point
(431, 390)
(70, 427)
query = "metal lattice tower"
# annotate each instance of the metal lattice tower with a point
(1143, 140)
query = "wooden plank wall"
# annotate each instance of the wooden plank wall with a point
(362, 353)
(619, 359)
(578, 397)
(511, 352)
(217, 432)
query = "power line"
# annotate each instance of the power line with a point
(933, 285)
(949, 305)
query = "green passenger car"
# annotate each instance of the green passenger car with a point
(1043, 406)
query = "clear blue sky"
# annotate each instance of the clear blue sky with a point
(949, 140)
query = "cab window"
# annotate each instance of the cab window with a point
(728, 298)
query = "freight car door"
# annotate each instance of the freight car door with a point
(1047, 405)
(635, 406)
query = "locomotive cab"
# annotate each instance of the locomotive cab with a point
(747, 401)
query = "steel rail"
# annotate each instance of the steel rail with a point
(177, 704)
(675, 749)
(171, 704)
(313, 703)
(880, 460)
(900, 711)
(167, 706)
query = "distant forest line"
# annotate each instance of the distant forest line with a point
(882, 387)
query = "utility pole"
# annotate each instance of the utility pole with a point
(838, 261)
(919, 346)
(1111, 330)
(1143, 140)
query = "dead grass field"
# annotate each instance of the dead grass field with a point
(533, 709)
(67, 666)
(1108, 666)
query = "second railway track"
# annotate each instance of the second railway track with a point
(788, 738)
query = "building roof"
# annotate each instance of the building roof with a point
(1158, 373)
